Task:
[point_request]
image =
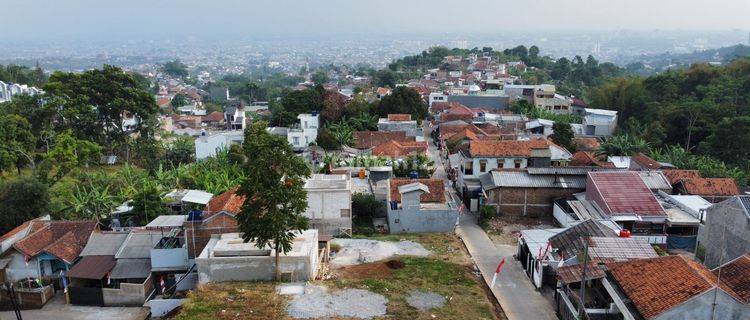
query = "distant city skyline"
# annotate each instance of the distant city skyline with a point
(31, 20)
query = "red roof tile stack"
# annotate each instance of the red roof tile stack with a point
(399, 117)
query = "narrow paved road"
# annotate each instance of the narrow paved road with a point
(513, 290)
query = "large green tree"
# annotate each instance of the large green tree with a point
(563, 135)
(274, 192)
(175, 68)
(94, 104)
(21, 200)
(403, 100)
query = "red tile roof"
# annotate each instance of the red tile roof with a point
(215, 116)
(507, 148)
(370, 139)
(436, 187)
(675, 175)
(63, 239)
(228, 201)
(711, 187)
(587, 159)
(395, 149)
(692, 183)
(399, 117)
(586, 144)
(736, 276)
(622, 193)
(18, 229)
(660, 284)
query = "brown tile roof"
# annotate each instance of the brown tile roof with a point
(736, 276)
(215, 116)
(646, 162)
(396, 149)
(63, 239)
(370, 139)
(588, 159)
(399, 117)
(18, 229)
(507, 148)
(675, 175)
(228, 201)
(436, 187)
(711, 186)
(659, 284)
(586, 144)
(447, 131)
(383, 91)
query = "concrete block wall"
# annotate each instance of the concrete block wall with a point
(424, 221)
(531, 202)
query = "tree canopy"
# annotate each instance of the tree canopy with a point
(274, 191)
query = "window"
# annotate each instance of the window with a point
(500, 163)
(517, 163)
(295, 141)
(482, 165)
(345, 213)
(469, 168)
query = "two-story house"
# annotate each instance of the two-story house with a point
(304, 132)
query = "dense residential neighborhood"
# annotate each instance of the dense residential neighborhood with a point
(450, 183)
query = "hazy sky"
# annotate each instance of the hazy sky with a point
(101, 19)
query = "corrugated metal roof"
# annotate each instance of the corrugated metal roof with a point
(104, 243)
(167, 221)
(92, 267)
(745, 201)
(139, 245)
(624, 193)
(655, 180)
(569, 241)
(574, 273)
(608, 249)
(131, 269)
(522, 179)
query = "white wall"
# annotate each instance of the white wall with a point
(326, 204)
(17, 268)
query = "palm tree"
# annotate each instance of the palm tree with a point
(623, 145)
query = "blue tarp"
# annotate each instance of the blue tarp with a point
(681, 242)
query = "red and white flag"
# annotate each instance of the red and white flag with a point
(162, 284)
(26, 259)
(497, 272)
(109, 278)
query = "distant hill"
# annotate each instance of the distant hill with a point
(650, 64)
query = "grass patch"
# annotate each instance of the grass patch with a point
(234, 300)
(465, 297)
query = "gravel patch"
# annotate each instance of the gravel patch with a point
(318, 302)
(357, 251)
(425, 300)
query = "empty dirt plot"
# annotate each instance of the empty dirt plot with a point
(318, 302)
(441, 285)
(356, 251)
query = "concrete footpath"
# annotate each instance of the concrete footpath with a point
(513, 290)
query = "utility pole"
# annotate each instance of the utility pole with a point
(582, 306)
(718, 274)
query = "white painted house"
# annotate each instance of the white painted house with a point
(329, 203)
(304, 132)
(208, 145)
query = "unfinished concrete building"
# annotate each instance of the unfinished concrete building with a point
(227, 257)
